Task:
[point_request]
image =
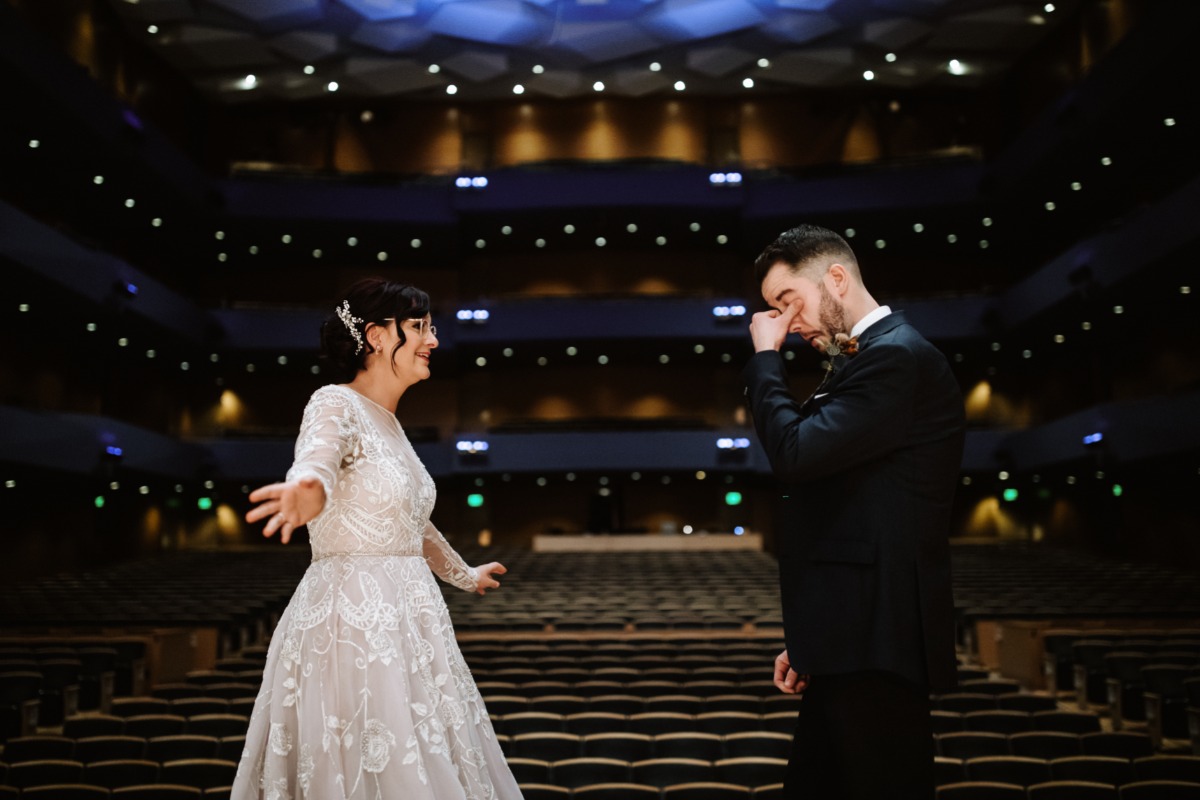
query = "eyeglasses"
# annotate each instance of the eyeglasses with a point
(424, 326)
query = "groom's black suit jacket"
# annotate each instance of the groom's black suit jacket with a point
(871, 468)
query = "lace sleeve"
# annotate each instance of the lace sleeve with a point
(327, 437)
(445, 562)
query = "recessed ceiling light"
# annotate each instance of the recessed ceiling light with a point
(655, 66)
(518, 89)
(538, 69)
(309, 69)
(680, 86)
(332, 86)
(434, 69)
(452, 89)
(598, 86)
(956, 67)
(890, 58)
(764, 63)
(868, 75)
(748, 83)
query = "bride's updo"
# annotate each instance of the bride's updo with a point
(344, 348)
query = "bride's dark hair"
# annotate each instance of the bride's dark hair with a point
(371, 300)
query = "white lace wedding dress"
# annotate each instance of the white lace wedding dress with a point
(365, 693)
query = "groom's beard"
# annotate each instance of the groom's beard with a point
(831, 314)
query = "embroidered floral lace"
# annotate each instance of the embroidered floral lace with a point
(365, 693)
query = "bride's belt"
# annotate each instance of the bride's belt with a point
(324, 556)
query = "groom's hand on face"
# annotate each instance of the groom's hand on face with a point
(786, 679)
(768, 329)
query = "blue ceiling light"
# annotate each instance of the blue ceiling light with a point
(505, 22)
(379, 10)
(700, 19)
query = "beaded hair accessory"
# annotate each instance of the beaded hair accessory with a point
(351, 322)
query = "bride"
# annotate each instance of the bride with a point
(365, 693)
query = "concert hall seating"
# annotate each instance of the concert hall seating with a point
(662, 690)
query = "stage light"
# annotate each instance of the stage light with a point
(1106, 161)
(956, 67)
(434, 69)
(918, 228)
(764, 63)
(452, 89)
(748, 83)
(143, 490)
(851, 233)
(471, 182)
(568, 228)
(730, 443)
(539, 243)
(253, 249)
(571, 350)
(518, 89)
(1093, 438)
(381, 255)
(473, 315)
(219, 235)
(99, 501)
(352, 241)
(694, 227)
(951, 238)
(34, 144)
(687, 530)
(114, 451)
(733, 498)
(983, 244)
(680, 86)
(722, 179)
(506, 230)
(309, 69)
(655, 66)
(130, 202)
(1117, 490)
(286, 238)
(598, 86)
(727, 312)
(481, 362)
(332, 86)
(631, 228)
(471, 447)
(880, 244)
(317, 253)
(480, 244)
(664, 359)
(248, 82)
(156, 222)
(986, 222)
(98, 180)
(1011, 494)
(204, 503)
(601, 241)
(868, 75)
(415, 244)
(538, 69)
(660, 240)
(890, 58)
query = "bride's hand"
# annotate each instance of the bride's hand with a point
(289, 505)
(786, 679)
(485, 580)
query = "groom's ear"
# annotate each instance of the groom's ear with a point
(837, 279)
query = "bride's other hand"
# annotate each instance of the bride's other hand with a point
(289, 505)
(485, 580)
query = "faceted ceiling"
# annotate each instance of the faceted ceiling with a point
(254, 50)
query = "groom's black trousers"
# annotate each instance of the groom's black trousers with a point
(862, 736)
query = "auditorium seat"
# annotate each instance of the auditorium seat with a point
(109, 748)
(205, 773)
(66, 791)
(1045, 744)
(725, 723)
(1160, 790)
(1121, 744)
(589, 722)
(1003, 722)
(1168, 768)
(93, 725)
(532, 722)
(1065, 722)
(577, 772)
(38, 748)
(662, 772)
(149, 726)
(758, 743)
(543, 791)
(963, 702)
(158, 791)
(217, 725)
(547, 746)
(972, 744)
(709, 790)
(948, 770)
(1095, 769)
(44, 772)
(1026, 702)
(653, 724)
(1072, 790)
(629, 747)
(181, 747)
(744, 703)
(136, 706)
(120, 772)
(690, 744)
(616, 791)
(751, 771)
(1019, 770)
(975, 790)
(530, 770)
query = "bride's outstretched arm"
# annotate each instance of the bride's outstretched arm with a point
(448, 565)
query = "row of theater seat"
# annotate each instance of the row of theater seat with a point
(1025, 771)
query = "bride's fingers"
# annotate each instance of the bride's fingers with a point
(271, 490)
(264, 510)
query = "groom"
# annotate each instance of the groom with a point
(869, 464)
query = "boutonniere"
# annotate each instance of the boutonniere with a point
(842, 345)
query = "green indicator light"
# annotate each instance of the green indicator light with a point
(204, 503)
(733, 498)
(475, 500)
(1010, 494)
(99, 501)
(1117, 490)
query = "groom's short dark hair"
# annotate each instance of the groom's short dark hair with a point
(803, 245)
